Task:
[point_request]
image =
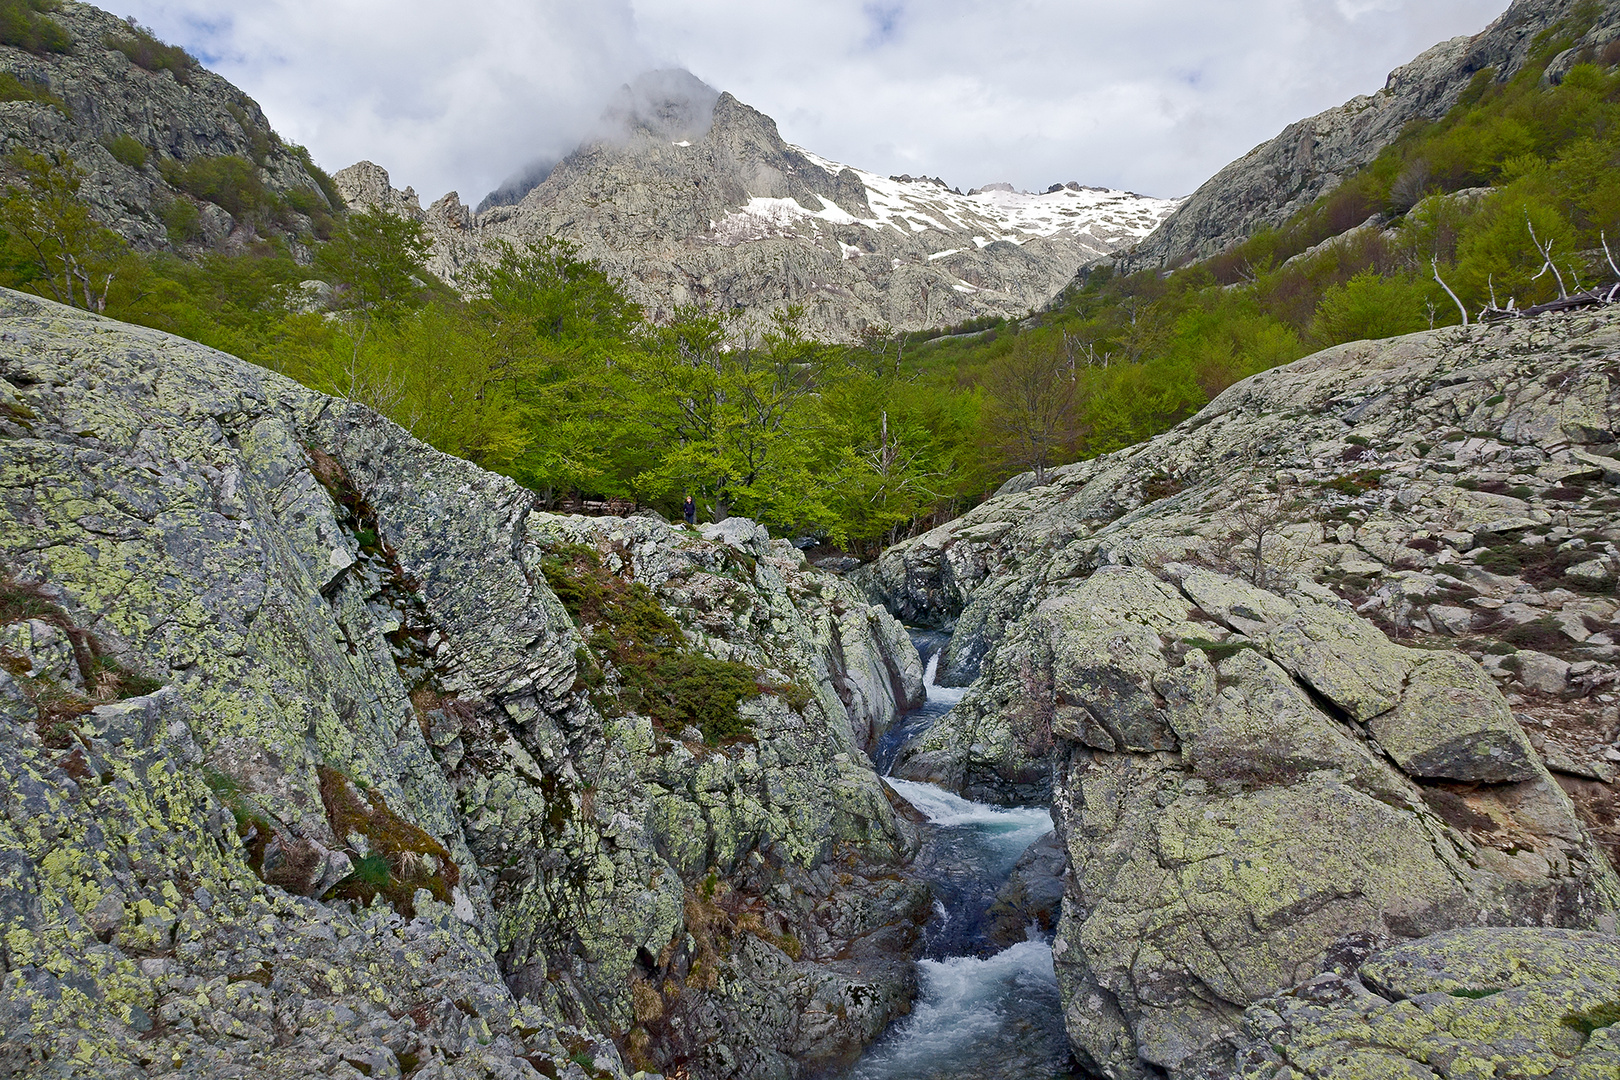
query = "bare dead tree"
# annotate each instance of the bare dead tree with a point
(1261, 552)
(1032, 398)
(1547, 264)
(1435, 264)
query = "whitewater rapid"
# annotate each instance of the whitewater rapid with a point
(980, 1014)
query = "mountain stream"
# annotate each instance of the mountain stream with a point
(981, 1014)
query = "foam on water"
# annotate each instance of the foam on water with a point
(990, 1017)
(1021, 825)
(937, 694)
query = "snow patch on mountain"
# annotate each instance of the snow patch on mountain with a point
(998, 213)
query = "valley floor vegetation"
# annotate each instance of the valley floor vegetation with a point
(539, 367)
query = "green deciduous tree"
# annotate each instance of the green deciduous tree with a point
(71, 257)
(743, 428)
(376, 261)
(1370, 306)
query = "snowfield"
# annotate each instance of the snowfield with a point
(1100, 219)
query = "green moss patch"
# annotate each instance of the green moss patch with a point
(659, 674)
(1355, 484)
(400, 857)
(1542, 565)
(15, 89)
(1542, 635)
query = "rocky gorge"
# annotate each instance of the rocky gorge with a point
(327, 751)
(1328, 667)
(261, 648)
(1280, 746)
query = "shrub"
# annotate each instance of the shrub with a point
(660, 675)
(258, 134)
(228, 181)
(183, 221)
(328, 186)
(1542, 635)
(24, 24)
(127, 150)
(1369, 306)
(144, 50)
(15, 89)
(311, 205)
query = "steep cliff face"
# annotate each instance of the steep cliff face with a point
(123, 124)
(307, 763)
(1309, 158)
(726, 215)
(1330, 665)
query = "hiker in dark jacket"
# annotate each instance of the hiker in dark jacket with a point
(689, 511)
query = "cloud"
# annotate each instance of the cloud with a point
(445, 96)
(1154, 96)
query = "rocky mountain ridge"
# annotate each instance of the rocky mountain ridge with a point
(136, 131)
(1312, 156)
(727, 215)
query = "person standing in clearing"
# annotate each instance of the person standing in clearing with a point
(689, 510)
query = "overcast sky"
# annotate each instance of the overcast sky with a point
(1149, 95)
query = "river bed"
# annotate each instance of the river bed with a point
(983, 1012)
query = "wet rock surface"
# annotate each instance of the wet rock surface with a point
(310, 764)
(1233, 659)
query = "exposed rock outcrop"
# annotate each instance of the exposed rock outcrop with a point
(717, 210)
(373, 697)
(1473, 1002)
(1309, 158)
(1224, 655)
(166, 118)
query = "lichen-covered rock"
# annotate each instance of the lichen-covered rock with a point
(1213, 652)
(1451, 724)
(139, 942)
(387, 707)
(1353, 470)
(1464, 1003)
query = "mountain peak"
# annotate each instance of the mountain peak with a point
(669, 103)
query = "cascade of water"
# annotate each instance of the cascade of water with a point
(981, 1018)
(980, 1014)
(937, 694)
(998, 834)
